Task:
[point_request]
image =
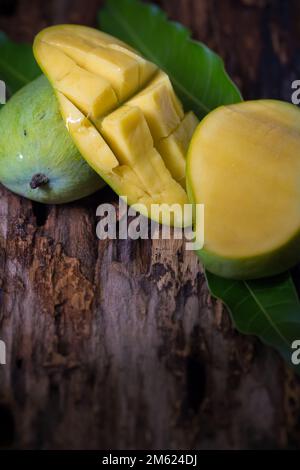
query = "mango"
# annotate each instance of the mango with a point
(38, 158)
(158, 104)
(243, 164)
(122, 114)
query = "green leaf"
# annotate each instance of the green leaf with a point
(267, 308)
(197, 73)
(17, 64)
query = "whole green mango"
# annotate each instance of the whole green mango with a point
(38, 158)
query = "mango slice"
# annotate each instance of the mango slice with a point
(128, 135)
(86, 136)
(173, 149)
(162, 77)
(91, 93)
(89, 35)
(146, 69)
(82, 38)
(244, 166)
(101, 54)
(142, 180)
(118, 108)
(118, 68)
(158, 105)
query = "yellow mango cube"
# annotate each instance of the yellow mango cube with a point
(173, 149)
(121, 70)
(157, 105)
(127, 133)
(94, 73)
(92, 94)
(57, 61)
(87, 138)
(146, 69)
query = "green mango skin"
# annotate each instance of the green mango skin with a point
(34, 140)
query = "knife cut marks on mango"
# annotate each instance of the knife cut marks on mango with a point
(122, 114)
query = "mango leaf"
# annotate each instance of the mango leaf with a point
(197, 73)
(270, 308)
(17, 64)
(267, 308)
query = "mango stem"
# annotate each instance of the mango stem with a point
(39, 179)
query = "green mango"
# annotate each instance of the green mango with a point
(38, 158)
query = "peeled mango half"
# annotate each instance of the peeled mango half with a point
(122, 114)
(38, 158)
(244, 166)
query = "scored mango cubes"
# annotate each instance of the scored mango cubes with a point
(121, 112)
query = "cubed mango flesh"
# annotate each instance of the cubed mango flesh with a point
(121, 112)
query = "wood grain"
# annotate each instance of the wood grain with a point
(117, 344)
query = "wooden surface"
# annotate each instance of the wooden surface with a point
(118, 344)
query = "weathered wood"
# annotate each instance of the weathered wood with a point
(118, 344)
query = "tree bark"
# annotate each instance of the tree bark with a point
(118, 344)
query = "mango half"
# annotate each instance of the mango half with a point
(38, 158)
(244, 165)
(123, 115)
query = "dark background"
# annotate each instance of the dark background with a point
(118, 344)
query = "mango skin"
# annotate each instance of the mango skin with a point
(34, 140)
(270, 263)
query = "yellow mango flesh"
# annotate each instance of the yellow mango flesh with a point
(146, 68)
(244, 166)
(85, 38)
(138, 151)
(162, 78)
(135, 151)
(158, 106)
(173, 148)
(118, 68)
(117, 108)
(86, 136)
(91, 93)
(102, 55)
